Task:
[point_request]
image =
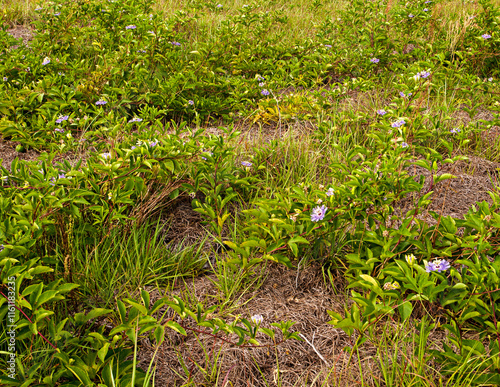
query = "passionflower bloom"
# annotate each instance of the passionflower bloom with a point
(318, 213)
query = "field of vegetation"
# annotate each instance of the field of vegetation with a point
(260, 193)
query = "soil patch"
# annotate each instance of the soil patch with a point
(454, 197)
(21, 32)
(8, 153)
(300, 296)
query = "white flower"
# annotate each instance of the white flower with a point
(257, 319)
(410, 259)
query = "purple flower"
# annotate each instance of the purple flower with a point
(59, 130)
(330, 191)
(265, 92)
(486, 36)
(2, 247)
(256, 319)
(455, 131)
(101, 102)
(61, 176)
(142, 51)
(328, 45)
(260, 79)
(175, 43)
(427, 2)
(57, 13)
(135, 119)
(430, 267)
(426, 9)
(246, 163)
(61, 119)
(374, 60)
(191, 102)
(130, 27)
(106, 155)
(424, 74)
(398, 124)
(219, 5)
(38, 9)
(153, 143)
(132, 147)
(318, 213)
(381, 112)
(411, 15)
(5, 79)
(46, 61)
(438, 265)
(262, 84)
(404, 145)
(443, 265)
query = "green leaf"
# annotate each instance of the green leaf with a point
(176, 327)
(159, 334)
(142, 309)
(405, 310)
(103, 352)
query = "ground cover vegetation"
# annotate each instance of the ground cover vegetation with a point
(191, 191)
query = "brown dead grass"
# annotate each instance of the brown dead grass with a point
(474, 180)
(301, 296)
